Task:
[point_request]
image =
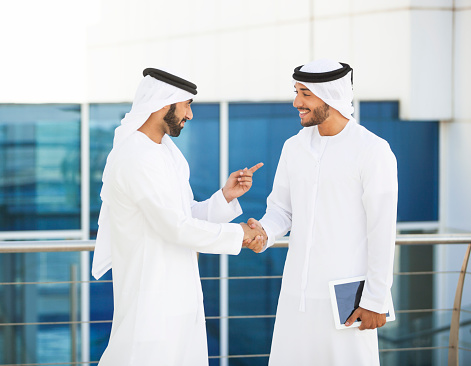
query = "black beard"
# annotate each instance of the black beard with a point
(172, 122)
(320, 114)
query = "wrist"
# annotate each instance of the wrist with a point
(226, 195)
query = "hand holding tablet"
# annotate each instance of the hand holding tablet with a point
(345, 296)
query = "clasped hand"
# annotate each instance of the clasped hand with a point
(255, 236)
(239, 183)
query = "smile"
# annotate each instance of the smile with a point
(303, 112)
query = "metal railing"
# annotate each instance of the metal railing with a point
(401, 240)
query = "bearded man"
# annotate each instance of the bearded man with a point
(335, 190)
(150, 230)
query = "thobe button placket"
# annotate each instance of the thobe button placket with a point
(317, 167)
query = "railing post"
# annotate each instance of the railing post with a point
(73, 313)
(223, 258)
(453, 350)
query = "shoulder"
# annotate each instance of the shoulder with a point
(373, 148)
(368, 140)
(294, 141)
(138, 152)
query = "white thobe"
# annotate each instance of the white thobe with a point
(338, 197)
(156, 230)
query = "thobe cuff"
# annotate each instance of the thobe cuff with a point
(226, 211)
(268, 226)
(372, 305)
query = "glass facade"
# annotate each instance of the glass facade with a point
(257, 132)
(47, 298)
(104, 118)
(415, 144)
(39, 167)
(40, 190)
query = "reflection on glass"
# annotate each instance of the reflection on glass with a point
(415, 144)
(39, 167)
(104, 118)
(257, 132)
(44, 298)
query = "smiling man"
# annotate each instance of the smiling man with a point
(335, 190)
(150, 230)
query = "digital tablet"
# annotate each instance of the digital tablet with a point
(345, 296)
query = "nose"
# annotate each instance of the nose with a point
(189, 113)
(296, 102)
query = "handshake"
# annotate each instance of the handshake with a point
(255, 236)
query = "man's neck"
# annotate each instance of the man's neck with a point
(153, 135)
(154, 128)
(332, 126)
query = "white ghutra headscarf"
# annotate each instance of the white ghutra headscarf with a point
(330, 81)
(151, 95)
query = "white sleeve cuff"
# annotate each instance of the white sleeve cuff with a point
(222, 211)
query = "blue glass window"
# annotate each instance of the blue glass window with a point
(104, 118)
(50, 300)
(199, 143)
(257, 132)
(39, 167)
(415, 144)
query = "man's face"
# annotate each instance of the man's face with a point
(176, 117)
(312, 110)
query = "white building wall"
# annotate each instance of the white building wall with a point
(458, 132)
(43, 50)
(394, 48)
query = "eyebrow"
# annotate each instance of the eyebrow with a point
(305, 89)
(190, 101)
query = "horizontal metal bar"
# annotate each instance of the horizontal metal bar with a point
(89, 245)
(425, 273)
(238, 356)
(52, 283)
(243, 278)
(211, 278)
(422, 333)
(215, 278)
(413, 311)
(50, 364)
(54, 323)
(41, 234)
(415, 239)
(46, 246)
(410, 311)
(411, 349)
(240, 317)
(432, 239)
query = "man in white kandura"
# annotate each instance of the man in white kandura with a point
(335, 189)
(150, 230)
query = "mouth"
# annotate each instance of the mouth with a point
(303, 112)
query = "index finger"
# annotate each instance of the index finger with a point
(255, 167)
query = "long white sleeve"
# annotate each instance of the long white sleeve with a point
(216, 209)
(379, 178)
(277, 219)
(151, 186)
